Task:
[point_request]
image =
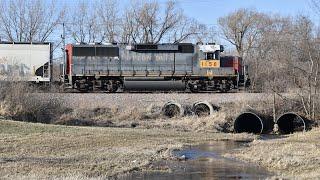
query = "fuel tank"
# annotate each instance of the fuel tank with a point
(153, 84)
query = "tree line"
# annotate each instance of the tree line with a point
(282, 53)
(99, 21)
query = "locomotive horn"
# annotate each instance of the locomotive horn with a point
(253, 122)
(292, 122)
(204, 109)
(172, 109)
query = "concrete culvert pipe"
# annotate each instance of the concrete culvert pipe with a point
(172, 109)
(202, 109)
(292, 122)
(252, 122)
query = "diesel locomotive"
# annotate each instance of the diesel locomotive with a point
(184, 66)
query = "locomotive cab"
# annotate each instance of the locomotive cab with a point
(213, 72)
(210, 56)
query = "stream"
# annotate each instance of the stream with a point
(204, 162)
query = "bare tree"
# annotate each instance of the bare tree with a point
(241, 29)
(145, 22)
(85, 27)
(29, 20)
(271, 54)
(208, 34)
(130, 28)
(189, 29)
(284, 57)
(315, 5)
(110, 20)
(307, 64)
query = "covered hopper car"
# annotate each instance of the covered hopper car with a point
(26, 62)
(112, 67)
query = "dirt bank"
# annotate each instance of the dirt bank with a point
(295, 156)
(37, 151)
(136, 110)
(143, 110)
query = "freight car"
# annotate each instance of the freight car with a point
(111, 67)
(26, 62)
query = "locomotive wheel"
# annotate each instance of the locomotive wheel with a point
(113, 89)
(112, 86)
(194, 88)
(84, 86)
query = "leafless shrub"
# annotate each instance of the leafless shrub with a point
(19, 103)
(87, 117)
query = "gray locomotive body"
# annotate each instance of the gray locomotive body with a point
(144, 67)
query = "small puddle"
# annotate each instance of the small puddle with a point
(204, 162)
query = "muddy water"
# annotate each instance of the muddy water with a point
(203, 162)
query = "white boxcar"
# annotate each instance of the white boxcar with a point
(25, 62)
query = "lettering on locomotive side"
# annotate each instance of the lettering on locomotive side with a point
(209, 64)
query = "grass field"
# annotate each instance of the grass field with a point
(37, 151)
(296, 156)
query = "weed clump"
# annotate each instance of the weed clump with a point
(19, 102)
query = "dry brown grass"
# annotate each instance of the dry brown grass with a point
(144, 110)
(45, 151)
(294, 157)
(132, 110)
(18, 102)
(37, 151)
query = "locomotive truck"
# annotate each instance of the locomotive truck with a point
(185, 66)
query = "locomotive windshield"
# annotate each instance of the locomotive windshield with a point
(213, 56)
(211, 52)
(209, 56)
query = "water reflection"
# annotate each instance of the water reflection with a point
(204, 162)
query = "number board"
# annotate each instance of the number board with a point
(209, 63)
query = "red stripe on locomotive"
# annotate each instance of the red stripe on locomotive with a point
(232, 61)
(69, 58)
